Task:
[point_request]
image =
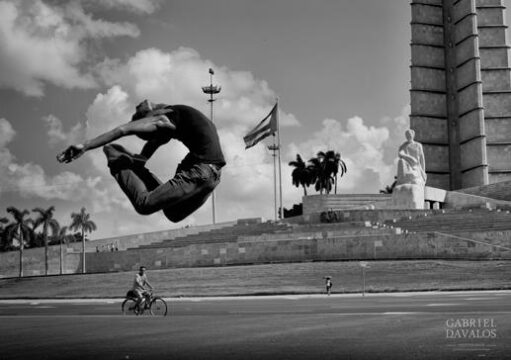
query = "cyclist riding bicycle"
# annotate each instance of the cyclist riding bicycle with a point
(139, 289)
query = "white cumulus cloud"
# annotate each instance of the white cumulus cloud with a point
(30, 180)
(57, 134)
(48, 44)
(6, 132)
(178, 77)
(136, 6)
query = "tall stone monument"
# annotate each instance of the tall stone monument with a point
(461, 91)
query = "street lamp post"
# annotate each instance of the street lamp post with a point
(212, 90)
(364, 265)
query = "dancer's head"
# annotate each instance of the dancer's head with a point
(142, 110)
(148, 109)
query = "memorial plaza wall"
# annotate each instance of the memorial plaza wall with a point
(320, 246)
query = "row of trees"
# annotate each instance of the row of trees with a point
(22, 232)
(321, 171)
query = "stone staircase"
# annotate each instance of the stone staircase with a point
(223, 235)
(499, 191)
(318, 203)
(456, 221)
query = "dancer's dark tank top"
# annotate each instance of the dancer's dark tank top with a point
(198, 134)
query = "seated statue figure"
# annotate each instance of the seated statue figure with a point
(411, 175)
(411, 167)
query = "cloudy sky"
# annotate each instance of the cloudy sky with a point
(72, 69)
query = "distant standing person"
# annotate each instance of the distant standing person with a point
(196, 176)
(328, 283)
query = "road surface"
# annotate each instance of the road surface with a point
(457, 325)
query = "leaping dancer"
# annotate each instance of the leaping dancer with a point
(196, 176)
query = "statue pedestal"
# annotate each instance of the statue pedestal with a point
(408, 196)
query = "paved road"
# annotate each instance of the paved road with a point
(465, 325)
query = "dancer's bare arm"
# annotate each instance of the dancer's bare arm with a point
(140, 127)
(151, 146)
(147, 126)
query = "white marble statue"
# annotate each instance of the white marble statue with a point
(411, 175)
(411, 167)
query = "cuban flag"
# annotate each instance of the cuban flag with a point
(268, 126)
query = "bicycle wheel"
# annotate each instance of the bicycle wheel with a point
(158, 307)
(129, 307)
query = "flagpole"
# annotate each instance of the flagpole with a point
(274, 148)
(281, 211)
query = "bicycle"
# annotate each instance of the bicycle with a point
(155, 304)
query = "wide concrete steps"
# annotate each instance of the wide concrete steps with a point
(224, 235)
(499, 191)
(318, 203)
(458, 228)
(274, 232)
(301, 235)
(457, 221)
(186, 242)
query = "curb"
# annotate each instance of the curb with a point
(35, 301)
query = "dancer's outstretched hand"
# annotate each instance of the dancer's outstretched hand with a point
(73, 152)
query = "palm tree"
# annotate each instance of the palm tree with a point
(301, 174)
(314, 169)
(321, 173)
(37, 239)
(20, 227)
(325, 168)
(81, 221)
(47, 221)
(62, 237)
(324, 182)
(333, 164)
(3, 240)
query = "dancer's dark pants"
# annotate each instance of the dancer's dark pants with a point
(179, 197)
